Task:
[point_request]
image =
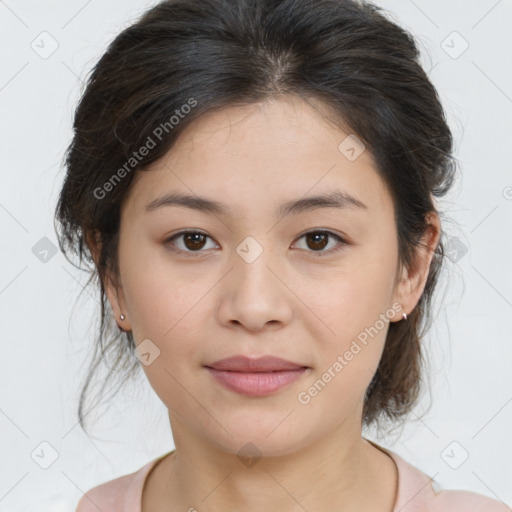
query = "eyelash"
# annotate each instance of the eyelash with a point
(342, 242)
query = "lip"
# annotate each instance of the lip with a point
(256, 376)
(256, 383)
(251, 364)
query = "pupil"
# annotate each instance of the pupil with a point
(194, 237)
(314, 236)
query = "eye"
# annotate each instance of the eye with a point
(193, 241)
(317, 240)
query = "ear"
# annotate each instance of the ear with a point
(412, 281)
(115, 294)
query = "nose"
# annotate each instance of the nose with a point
(255, 293)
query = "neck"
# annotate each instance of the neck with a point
(341, 471)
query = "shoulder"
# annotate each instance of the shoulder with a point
(418, 492)
(107, 496)
(122, 493)
(467, 501)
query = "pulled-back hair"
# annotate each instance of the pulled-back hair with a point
(183, 58)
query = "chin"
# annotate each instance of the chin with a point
(250, 449)
(259, 440)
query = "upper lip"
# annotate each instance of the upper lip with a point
(249, 364)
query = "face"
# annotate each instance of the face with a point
(200, 285)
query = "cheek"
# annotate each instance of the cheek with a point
(350, 322)
(345, 366)
(160, 296)
(167, 309)
(164, 307)
(353, 290)
(345, 302)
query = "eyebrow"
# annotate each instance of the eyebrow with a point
(335, 199)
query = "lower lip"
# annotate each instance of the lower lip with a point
(256, 383)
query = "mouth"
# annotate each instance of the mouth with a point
(256, 376)
(257, 383)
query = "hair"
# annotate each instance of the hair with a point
(183, 58)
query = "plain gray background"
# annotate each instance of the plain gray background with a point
(47, 329)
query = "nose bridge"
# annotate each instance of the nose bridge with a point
(253, 260)
(254, 294)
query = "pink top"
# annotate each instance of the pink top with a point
(415, 493)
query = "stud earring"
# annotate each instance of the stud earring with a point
(404, 315)
(122, 317)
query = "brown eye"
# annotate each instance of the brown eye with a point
(195, 242)
(317, 241)
(192, 241)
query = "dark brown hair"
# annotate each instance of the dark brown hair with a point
(217, 53)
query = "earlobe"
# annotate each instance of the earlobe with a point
(413, 280)
(402, 294)
(117, 303)
(118, 307)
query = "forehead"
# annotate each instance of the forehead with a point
(259, 155)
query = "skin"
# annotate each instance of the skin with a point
(289, 302)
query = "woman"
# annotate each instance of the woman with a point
(255, 182)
